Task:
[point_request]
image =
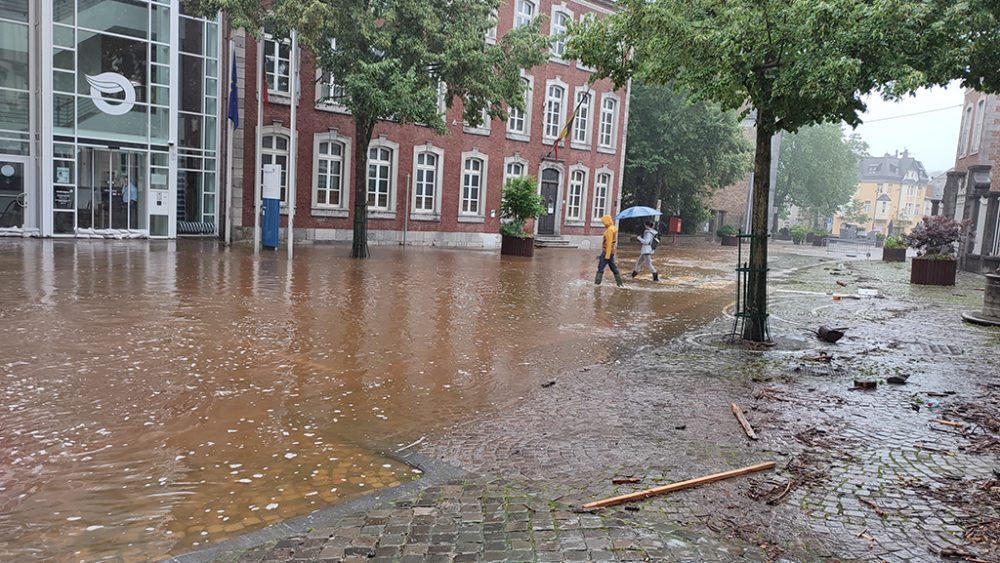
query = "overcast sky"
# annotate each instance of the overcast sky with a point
(931, 136)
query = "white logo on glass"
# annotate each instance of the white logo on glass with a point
(111, 83)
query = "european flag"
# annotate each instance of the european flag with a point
(234, 107)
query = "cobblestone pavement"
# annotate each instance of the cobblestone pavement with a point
(862, 475)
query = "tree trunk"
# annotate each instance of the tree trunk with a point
(362, 136)
(755, 329)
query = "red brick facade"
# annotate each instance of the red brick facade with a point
(316, 121)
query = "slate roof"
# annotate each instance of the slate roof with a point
(890, 168)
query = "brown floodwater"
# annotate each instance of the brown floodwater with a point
(161, 396)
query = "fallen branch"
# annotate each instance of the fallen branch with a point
(625, 480)
(959, 554)
(878, 510)
(744, 422)
(932, 449)
(679, 486)
(950, 423)
(408, 446)
(788, 488)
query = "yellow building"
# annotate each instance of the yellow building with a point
(891, 189)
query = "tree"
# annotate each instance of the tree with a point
(818, 169)
(794, 63)
(854, 212)
(680, 150)
(397, 60)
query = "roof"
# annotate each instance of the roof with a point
(883, 197)
(891, 168)
(935, 190)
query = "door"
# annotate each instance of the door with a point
(111, 189)
(550, 198)
(12, 184)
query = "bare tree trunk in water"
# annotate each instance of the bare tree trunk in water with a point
(362, 136)
(755, 329)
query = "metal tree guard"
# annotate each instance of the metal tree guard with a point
(741, 314)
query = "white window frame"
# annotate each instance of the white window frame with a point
(433, 214)
(977, 130)
(557, 46)
(523, 17)
(272, 90)
(577, 219)
(480, 215)
(583, 121)
(525, 134)
(963, 136)
(269, 154)
(491, 33)
(326, 103)
(550, 133)
(868, 207)
(595, 215)
(514, 160)
(483, 128)
(601, 145)
(388, 212)
(326, 209)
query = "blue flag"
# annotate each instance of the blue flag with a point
(234, 107)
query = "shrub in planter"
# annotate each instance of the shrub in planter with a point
(728, 235)
(936, 241)
(518, 204)
(798, 233)
(893, 249)
(819, 237)
(879, 240)
(783, 234)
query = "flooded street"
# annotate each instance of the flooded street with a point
(160, 396)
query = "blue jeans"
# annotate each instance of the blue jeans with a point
(610, 262)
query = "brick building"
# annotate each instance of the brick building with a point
(439, 189)
(972, 188)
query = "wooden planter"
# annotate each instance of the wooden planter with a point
(893, 254)
(730, 241)
(810, 237)
(516, 246)
(819, 241)
(933, 272)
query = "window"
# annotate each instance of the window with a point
(491, 33)
(977, 131)
(868, 207)
(873, 169)
(885, 207)
(601, 187)
(554, 110)
(581, 125)
(472, 186)
(277, 65)
(379, 178)
(963, 135)
(328, 90)
(525, 13)
(518, 121)
(426, 175)
(514, 169)
(274, 150)
(609, 113)
(560, 23)
(880, 189)
(329, 174)
(574, 196)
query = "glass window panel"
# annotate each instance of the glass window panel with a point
(64, 59)
(160, 54)
(159, 159)
(158, 177)
(63, 11)
(209, 132)
(190, 131)
(161, 24)
(15, 110)
(14, 56)
(62, 171)
(14, 10)
(211, 40)
(209, 203)
(211, 68)
(99, 53)
(63, 36)
(160, 75)
(63, 81)
(209, 182)
(64, 112)
(159, 124)
(129, 127)
(60, 150)
(192, 34)
(161, 95)
(121, 17)
(191, 83)
(211, 88)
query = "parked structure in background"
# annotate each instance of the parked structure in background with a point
(972, 189)
(892, 189)
(430, 189)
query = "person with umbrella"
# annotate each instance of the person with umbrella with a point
(647, 240)
(607, 256)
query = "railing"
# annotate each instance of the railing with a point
(850, 247)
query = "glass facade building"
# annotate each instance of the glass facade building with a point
(108, 118)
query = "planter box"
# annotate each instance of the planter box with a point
(730, 241)
(810, 237)
(932, 272)
(819, 241)
(516, 246)
(893, 254)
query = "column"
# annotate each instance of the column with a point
(950, 199)
(990, 229)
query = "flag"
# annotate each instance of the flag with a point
(234, 98)
(569, 125)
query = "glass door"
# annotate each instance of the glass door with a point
(12, 186)
(111, 193)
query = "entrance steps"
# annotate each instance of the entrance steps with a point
(548, 241)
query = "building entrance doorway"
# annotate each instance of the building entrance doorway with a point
(111, 192)
(12, 184)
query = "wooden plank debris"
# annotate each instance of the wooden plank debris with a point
(640, 495)
(743, 421)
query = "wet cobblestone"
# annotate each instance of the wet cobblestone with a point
(874, 459)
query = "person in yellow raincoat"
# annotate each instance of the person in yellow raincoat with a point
(607, 256)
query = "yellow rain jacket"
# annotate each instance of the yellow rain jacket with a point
(610, 236)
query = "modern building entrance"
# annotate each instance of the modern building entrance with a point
(12, 194)
(111, 189)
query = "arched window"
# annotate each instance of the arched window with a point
(425, 182)
(609, 114)
(554, 110)
(560, 23)
(601, 186)
(274, 150)
(525, 13)
(574, 197)
(472, 186)
(379, 177)
(517, 120)
(330, 174)
(581, 124)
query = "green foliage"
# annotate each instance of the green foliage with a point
(854, 212)
(798, 233)
(818, 169)
(727, 231)
(936, 237)
(894, 242)
(680, 150)
(518, 204)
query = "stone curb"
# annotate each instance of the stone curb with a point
(434, 473)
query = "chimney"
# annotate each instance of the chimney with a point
(906, 153)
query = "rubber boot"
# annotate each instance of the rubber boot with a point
(618, 280)
(634, 273)
(656, 276)
(598, 278)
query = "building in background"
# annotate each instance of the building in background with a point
(892, 190)
(433, 189)
(108, 119)
(972, 189)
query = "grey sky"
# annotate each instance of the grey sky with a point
(931, 136)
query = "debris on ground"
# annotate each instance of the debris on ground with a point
(641, 495)
(831, 335)
(821, 357)
(743, 421)
(865, 384)
(897, 379)
(548, 384)
(625, 480)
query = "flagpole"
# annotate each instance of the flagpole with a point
(294, 145)
(229, 154)
(259, 40)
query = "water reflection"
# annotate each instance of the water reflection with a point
(163, 395)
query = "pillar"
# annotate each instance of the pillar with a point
(950, 198)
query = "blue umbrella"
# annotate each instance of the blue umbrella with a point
(637, 211)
